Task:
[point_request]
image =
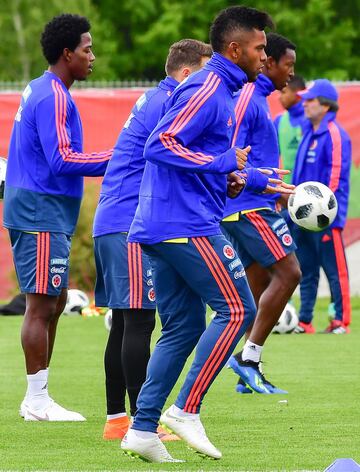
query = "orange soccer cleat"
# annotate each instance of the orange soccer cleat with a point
(116, 428)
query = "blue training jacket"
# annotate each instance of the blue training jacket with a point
(119, 193)
(324, 156)
(255, 127)
(183, 191)
(46, 163)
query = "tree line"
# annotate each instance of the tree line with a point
(131, 37)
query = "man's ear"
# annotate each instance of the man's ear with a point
(270, 63)
(67, 54)
(186, 72)
(234, 50)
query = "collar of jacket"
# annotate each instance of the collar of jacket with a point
(169, 83)
(264, 86)
(323, 128)
(296, 110)
(57, 78)
(232, 75)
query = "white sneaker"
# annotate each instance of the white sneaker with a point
(24, 406)
(149, 450)
(52, 412)
(191, 431)
(22, 409)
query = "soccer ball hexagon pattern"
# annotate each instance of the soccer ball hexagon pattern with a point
(313, 206)
(3, 165)
(108, 319)
(287, 321)
(76, 301)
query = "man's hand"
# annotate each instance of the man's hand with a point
(280, 186)
(241, 156)
(235, 185)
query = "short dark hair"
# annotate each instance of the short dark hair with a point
(234, 18)
(332, 104)
(276, 46)
(297, 83)
(63, 31)
(186, 52)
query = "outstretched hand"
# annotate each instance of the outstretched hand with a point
(279, 185)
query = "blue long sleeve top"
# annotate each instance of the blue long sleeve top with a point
(119, 193)
(324, 156)
(255, 127)
(46, 162)
(183, 190)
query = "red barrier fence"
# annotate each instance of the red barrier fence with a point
(104, 111)
(103, 114)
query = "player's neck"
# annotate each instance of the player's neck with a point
(62, 73)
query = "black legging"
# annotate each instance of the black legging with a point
(126, 356)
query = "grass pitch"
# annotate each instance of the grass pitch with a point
(320, 422)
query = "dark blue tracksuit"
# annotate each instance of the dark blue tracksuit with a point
(324, 155)
(181, 203)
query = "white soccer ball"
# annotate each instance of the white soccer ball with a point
(3, 165)
(76, 301)
(287, 321)
(108, 320)
(313, 206)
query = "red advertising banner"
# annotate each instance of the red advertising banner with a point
(103, 113)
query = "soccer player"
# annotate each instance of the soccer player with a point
(262, 237)
(177, 222)
(289, 124)
(43, 191)
(324, 155)
(124, 281)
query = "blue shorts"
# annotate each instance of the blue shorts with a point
(41, 261)
(261, 236)
(123, 274)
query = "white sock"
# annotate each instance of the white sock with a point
(117, 415)
(37, 390)
(251, 351)
(183, 414)
(144, 434)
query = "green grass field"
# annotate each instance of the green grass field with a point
(320, 422)
(354, 201)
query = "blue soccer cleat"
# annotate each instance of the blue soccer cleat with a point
(250, 373)
(272, 389)
(241, 387)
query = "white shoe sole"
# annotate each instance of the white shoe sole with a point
(170, 425)
(49, 414)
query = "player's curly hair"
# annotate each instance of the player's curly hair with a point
(276, 45)
(63, 31)
(235, 18)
